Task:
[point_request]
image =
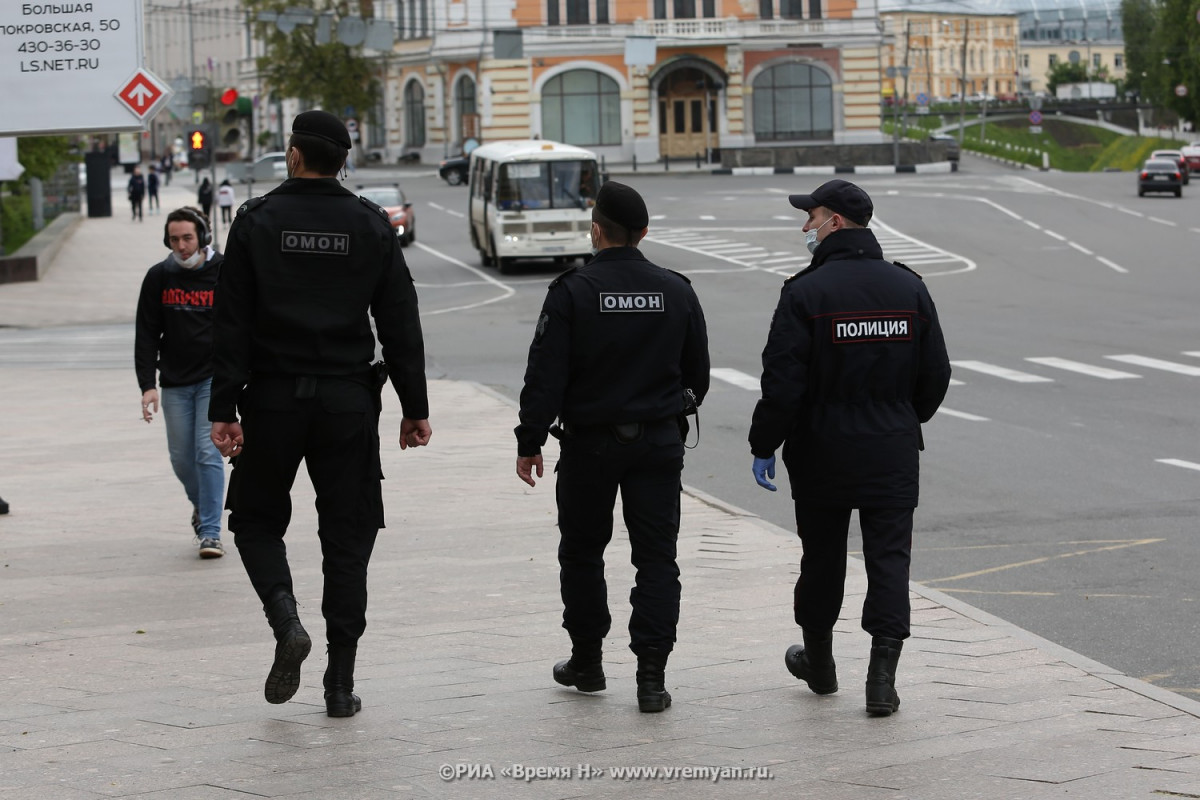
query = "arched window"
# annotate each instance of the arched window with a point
(582, 107)
(464, 109)
(414, 115)
(793, 101)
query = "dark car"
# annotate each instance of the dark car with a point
(1176, 156)
(400, 211)
(1160, 175)
(952, 147)
(454, 170)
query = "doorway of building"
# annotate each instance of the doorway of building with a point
(684, 129)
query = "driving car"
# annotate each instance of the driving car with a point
(953, 149)
(1178, 157)
(1160, 175)
(454, 170)
(400, 211)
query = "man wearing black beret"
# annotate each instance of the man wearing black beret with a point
(306, 268)
(855, 361)
(620, 352)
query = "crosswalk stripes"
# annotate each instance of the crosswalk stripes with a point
(1158, 363)
(989, 370)
(1006, 373)
(1083, 369)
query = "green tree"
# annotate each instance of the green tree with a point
(1139, 22)
(43, 155)
(1065, 72)
(1178, 39)
(332, 76)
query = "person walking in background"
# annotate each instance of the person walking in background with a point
(173, 332)
(152, 189)
(168, 166)
(619, 354)
(205, 196)
(855, 361)
(225, 198)
(136, 190)
(292, 356)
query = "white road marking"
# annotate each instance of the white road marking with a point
(1002, 372)
(961, 415)
(458, 214)
(739, 379)
(1111, 264)
(957, 382)
(1081, 249)
(1083, 369)
(1175, 462)
(506, 290)
(1054, 235)
(707, 217)
(1162, 221)
(1158, 363)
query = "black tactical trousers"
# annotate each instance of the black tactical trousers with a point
(592, 467)
(887, 551)
(336, 433)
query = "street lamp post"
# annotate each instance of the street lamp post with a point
(962, 92)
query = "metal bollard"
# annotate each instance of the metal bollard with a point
(697, 161)
(666, 163)
(635, 162)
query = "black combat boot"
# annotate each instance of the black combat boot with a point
(812, 662)
(882, 699)
(652, 692)
(340, 699)
(584, 669)
(291, 647)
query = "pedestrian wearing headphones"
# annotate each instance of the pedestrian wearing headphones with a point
(174, 333)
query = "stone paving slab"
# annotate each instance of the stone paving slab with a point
(131, 668)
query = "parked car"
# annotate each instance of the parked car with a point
(1160, 175)
(1178, 158)
(400, 211)
(953, 149)
(454, 170)
(267, 167)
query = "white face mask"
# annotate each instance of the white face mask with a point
(810, 237)
(191, 261)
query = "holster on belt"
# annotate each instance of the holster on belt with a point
(379, 376)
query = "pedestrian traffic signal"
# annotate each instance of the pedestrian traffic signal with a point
(199, 154)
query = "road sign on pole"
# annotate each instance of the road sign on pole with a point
(1181, 91)
(1035, 118)
(75, 66)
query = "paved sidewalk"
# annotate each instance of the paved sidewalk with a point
(131, 668)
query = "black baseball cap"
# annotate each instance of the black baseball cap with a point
(623, 205)
(842, 197)
(322, 125)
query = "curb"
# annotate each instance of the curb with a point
(934, 167)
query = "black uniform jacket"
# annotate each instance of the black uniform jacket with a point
(303, 267)
(854, 363)
(618, 340)
(174, 323)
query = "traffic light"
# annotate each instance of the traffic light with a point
(199, 152)
(231, 124)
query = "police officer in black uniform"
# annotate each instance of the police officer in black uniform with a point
(620, 351)
(854, 363)
(306, 266)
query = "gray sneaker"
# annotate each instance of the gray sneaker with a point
(211, 548)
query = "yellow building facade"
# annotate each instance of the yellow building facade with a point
(628, 78)
(934, 46)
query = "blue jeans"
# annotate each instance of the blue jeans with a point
(195, 459)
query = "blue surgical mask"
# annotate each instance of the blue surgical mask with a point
(810, 237)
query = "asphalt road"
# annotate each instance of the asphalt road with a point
(1060, 494)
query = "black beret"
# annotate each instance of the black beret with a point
(839, 196)
(623, 205)
(322, 125)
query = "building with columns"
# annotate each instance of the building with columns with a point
(627, 78)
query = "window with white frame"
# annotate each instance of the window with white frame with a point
(582, 107)
(792, 102)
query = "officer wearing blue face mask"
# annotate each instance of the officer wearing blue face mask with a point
(854, 362)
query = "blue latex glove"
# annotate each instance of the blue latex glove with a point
(764, 468)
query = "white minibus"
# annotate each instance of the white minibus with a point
(532, 199)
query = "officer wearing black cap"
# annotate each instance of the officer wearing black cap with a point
(620, 351)
(855, 361)
(306, 268)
